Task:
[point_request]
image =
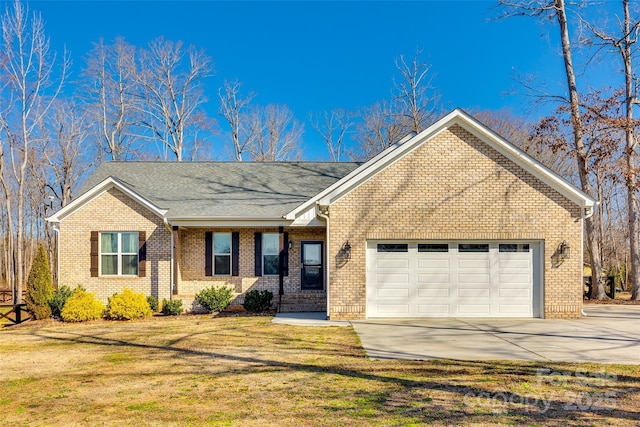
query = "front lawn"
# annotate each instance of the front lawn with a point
(202, 370)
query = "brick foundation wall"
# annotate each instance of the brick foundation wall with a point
(455, 187)
(114, 211)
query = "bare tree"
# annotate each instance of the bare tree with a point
(377, 130)
(26, 67)
(333, 129)
(412, 107)
(67, 151)
(275, 134)
(109, 84)
(555, 10)
(171, 88)
(233, 108)
(414, 93)
(622, 44)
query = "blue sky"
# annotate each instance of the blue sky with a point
(315, 56)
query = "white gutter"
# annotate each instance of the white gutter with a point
(326, 256)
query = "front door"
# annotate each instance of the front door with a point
(312, 266)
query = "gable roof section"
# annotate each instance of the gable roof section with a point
(217, 190)
(457, 117)
(99, 189)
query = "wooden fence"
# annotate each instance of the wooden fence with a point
(6, 294)
(14, 313)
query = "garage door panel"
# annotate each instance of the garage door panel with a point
(436, 279)
(515, 293)
(507, 279)
(393, 309)
(393, 264)
(434, 310)
(434, 263)
(473, 263)
(433, 293)
(522, 310)
(517, 264)
(472, 279)
(392, 293)
(390, 279)
(478, 310)
(473, 293)
(477, 278)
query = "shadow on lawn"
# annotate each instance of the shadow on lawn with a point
(560, 404)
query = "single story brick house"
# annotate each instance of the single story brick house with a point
(452, 222)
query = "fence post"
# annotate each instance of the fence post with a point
(18, 309)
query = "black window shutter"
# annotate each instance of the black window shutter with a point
(142, 253)
(235, 253)
(94, 253)
(285, 253)
(258, 254)
(208, 253)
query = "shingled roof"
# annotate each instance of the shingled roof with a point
(224, 189)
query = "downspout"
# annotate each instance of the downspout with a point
(326, 253)
(586, 213)
(171, 268)
(56, 229)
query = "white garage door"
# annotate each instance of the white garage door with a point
(452, 279)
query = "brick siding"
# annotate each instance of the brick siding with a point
(114, 211)
(192, 278)
(455, 187)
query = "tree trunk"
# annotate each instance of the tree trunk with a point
(631, 176)
(591, 224)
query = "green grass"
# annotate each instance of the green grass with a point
(246, 371)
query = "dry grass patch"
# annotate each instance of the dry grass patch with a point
(200, 370)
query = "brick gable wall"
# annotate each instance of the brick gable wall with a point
(114, 211)
(455, 187)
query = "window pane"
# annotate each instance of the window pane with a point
(222, 243)
(312, 253)
(473, 247)
(222, 265)
(130, 264)
(514, 247)
(271, 264)
(109, 264)
(433, 247)
(270, 243)
(129, 243)
(393, 247)
(108, 242)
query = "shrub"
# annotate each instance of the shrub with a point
(128, 305)
(215, 298)
(153, 303)
(39, 286)
(172, 307)
(256, 300)
(57, 302)
(82, 306)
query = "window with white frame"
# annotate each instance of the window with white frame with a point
(222, 254)
(119, 253)
(270, 254)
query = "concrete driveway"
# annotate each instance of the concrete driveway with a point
(609, 334)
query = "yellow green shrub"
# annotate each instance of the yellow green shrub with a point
(82, 306)
(128, 305)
